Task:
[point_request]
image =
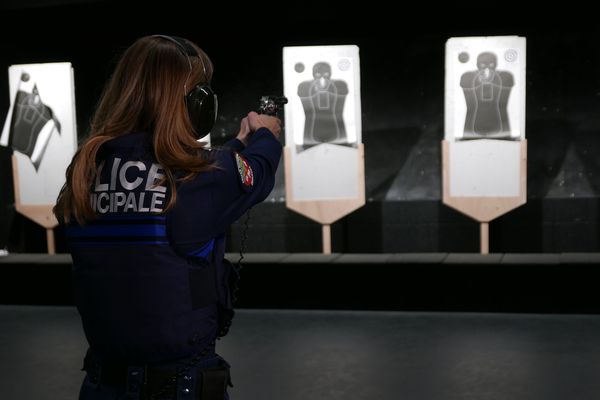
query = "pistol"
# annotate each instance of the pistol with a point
(271, 105)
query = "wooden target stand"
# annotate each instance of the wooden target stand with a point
(484, 209)
(40, 214)
(325, 211)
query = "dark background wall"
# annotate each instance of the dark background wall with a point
(402, 74)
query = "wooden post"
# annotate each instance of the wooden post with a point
(325, 211)
(485, 237)
(50, 241)
(40, 214)
(326, 238)
(484, 209)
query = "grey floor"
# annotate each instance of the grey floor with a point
(316, 355)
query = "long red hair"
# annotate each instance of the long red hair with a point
(145, 94)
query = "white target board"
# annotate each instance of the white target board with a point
(323, 154)
(484, 151)
(485, 168)
(485, 88)
(323, 122)
(40, 128)
(485, 115)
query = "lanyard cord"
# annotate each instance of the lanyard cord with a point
(243, 240)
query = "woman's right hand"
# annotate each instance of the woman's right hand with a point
(257, 121)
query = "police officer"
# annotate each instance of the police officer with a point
(145, 207)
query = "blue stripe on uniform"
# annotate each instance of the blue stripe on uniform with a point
(116, 230)
(117, 243)
(132, 217)
(204, 251)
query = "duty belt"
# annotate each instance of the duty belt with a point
(146, 382)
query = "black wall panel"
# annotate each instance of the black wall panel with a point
(402, 73)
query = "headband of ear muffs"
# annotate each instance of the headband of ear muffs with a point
(201, 101)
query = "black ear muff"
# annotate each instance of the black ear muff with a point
(201, 101)
(202, 109)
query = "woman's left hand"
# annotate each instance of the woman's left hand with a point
(244, 133)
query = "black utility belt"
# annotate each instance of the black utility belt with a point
(149, 382)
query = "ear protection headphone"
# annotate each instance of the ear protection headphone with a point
(201, 101)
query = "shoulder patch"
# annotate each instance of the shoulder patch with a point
(245, 171)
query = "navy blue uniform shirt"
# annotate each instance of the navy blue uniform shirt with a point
(150, 285)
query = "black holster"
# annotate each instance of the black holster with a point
(227, 297)
(213, 383)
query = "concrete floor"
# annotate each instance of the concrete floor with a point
(318, 355)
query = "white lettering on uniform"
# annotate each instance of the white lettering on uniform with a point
(156, 201)
(100, 187)
(123, 178)
(113, 173)
(106, 199)
(101, 209)
(130, 202)
(120, 199)
(154, 176)
(141, 205)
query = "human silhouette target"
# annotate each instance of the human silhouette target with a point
(486, 92)
(323, 100)
(32, 121)
(40, 128)
(485, 82)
